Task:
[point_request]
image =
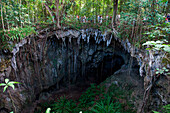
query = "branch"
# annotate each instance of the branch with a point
(49, 10)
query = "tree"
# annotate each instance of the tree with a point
(49, 10)
(153, 11)
(2, 18)
(57, 14)
(114, 12)
(56, 20)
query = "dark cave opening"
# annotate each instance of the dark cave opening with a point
(83, 64)
(106, 68)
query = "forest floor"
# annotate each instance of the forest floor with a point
(72, 92)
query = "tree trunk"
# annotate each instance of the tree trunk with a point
(103, 11)
(80, 8)
(153, 12)
(20, 14)
(2, 18)
(28, 12)
(57, 14)
(120, 6)
(114, 13)
(94, 17)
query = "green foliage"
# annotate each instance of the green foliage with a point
(155, 112)
(158, 45)
(19, 33)
(64, 106)
(48, 110)
(166, 109)
(142, 21)
(88, 98)
(93, 100)
(20, 16)
(8, 84)
(14, 35)
(160, 33)
(157, 32)
(126, 24)
(107, 106)
(164, 70)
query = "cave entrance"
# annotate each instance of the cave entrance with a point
(84, 63)
(106, 68)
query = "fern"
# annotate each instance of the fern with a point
(107, 106)
(64, 106)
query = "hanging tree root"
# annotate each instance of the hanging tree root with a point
(145, 98)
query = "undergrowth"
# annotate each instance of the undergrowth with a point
(14, 35)
(94, 100)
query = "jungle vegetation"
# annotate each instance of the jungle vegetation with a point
(139, 21)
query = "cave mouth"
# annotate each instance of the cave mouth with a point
(105, 68)
(83, 64)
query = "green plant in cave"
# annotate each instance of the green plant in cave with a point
(88, 98)
(64, 106)
(94, 99)
(107, 106)
(9, 84)
(48, 110)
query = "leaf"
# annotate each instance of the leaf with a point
(149, 43)
(48, 110)
(166, 70)
(167, 107)
(159, 42)
(148, 48)
(13, 82)
(166, 48)
(5, 88)
(157, 72)
(12, 85)
(6, 81)
(2, 84)
(155, 112)
(158, 46)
